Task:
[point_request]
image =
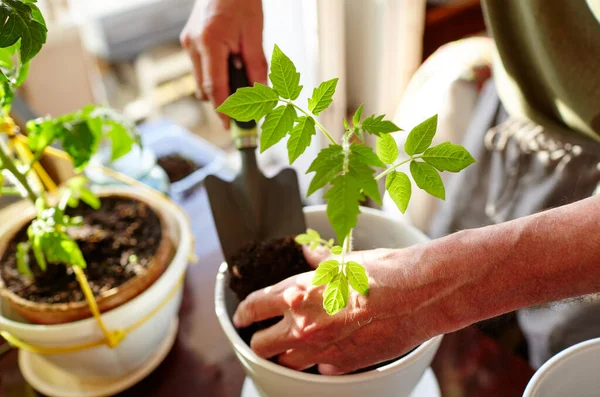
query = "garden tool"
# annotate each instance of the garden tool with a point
(252, 207)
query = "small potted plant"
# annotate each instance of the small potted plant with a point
(90, 281)
(348, 170)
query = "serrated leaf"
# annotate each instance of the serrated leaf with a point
(335, 297)
(322, 96)
(448, 157)
(337, 250)
(303, 239)
(60, 248)
(376, 125)
(357, 276)
(366, 155)
(300, 137)
(23, 259)
(420, 137)
(346, 126)
(399, 187)
(121, 141)
(325, 272)
(276, 126)
(343, 204)
(285, 78)
(328, 163)
(22, 20)
(249, 103)
(427, 178)
(357, 115)
(386, 147)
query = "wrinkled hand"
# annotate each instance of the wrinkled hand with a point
(215, 29)
(370, 330)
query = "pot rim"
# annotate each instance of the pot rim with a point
(548, 367)
(163, 250)
(183, 249)
(242, 348)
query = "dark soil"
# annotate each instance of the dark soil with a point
(259, 265)
(177, 167)
(118, 242)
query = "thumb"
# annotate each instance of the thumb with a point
(315, 257)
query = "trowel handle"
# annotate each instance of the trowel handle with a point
(244, 133)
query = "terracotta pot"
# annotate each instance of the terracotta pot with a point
(60, 313)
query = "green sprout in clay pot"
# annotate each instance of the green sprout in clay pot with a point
(349, 170)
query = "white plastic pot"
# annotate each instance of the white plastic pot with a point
(103, 362)
(572, 372)
(375, 230)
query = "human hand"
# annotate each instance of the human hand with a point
(216, 29)
(371, 329)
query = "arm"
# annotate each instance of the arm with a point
(429, 289)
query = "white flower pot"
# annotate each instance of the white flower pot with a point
(375, 230)
(103, 362)
(572, 372)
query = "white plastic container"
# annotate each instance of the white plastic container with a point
(572, 372)
(103, 362)
(375, 230)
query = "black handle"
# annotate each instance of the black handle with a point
(239, 79)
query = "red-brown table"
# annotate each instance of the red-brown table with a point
(202, 364)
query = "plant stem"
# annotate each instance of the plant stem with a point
(346, 246)
(35, 159)
(9, 191)
(394, 166)
(8, 164)
(319, 125)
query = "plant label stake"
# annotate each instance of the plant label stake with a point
(252, 207)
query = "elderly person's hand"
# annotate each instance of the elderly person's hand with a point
(372, 329)
(216, 29)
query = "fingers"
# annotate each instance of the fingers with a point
(274, 340)
(315, 257)
(253, 54)
(298, 359)
(215, 78)
(197, 72)
(330, 370)
(258, 306)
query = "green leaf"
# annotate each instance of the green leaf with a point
(421, 136)
(346, 126)
(276, 126)
(313, 234)
(89, 198)
(376, 125)
(60, 248)
(357, 115)
(121, 140)
(343, 204)
(337, 250)
(322, 96)
(428, 179)
(249, 103)
(300, 137)
(23, 259)
(303, 239)
(448, 157)
(22, 20)
(365, 155)
(357, 276)
(335, 297)
(387, 150)
(80, 142)
(328, 163)
(399, 187)
(285, 79)
(36, 247)
(314, 245)
(326, 272)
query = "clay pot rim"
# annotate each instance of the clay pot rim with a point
(162, 252)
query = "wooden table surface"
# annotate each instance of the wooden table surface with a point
(201, 362)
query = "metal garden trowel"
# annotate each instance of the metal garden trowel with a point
(252, 207)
